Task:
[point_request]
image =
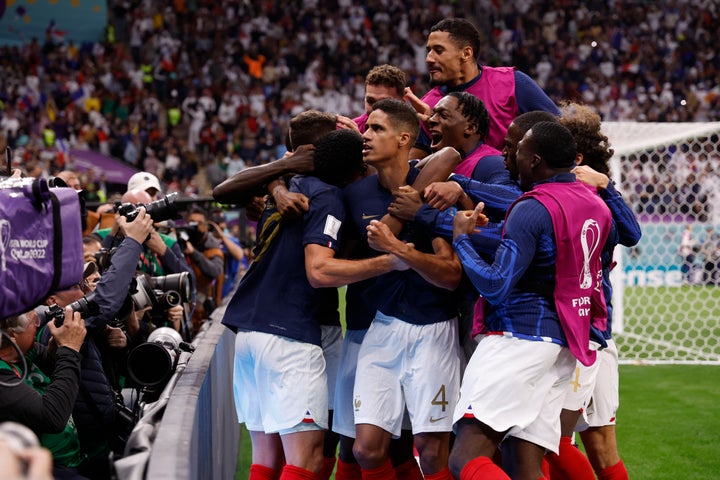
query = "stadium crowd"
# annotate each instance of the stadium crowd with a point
(186, 87)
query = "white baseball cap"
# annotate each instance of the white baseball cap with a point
(143, 181)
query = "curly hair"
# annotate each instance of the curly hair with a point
(338, 157)
(585, 125)
(473, 109)
(387, 76)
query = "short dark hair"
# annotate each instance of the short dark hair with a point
(387, 76)
(338, 157)
(307, 127)
(554, 143)
(199, 210)
(462, 32)
(402, 115)
(526, 120)
(473, 109)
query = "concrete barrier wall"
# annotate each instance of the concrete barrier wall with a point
(198, 435)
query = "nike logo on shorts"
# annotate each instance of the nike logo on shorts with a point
(368, 217)
(435, 420)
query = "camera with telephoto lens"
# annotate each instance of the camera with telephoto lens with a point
(159, 210)
(85, 305)
(160, 293)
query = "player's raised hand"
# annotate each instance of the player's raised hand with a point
(466, 221)
(423, 109)
(346, 123)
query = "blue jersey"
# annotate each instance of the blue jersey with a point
(625, 231)
(519, 285)
(404, 295)
(275, 295)
(496, 192)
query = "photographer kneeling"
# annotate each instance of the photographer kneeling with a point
(45, 399)
(106, 346)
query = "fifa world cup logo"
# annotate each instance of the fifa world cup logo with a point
(4, 241)
(590, 241)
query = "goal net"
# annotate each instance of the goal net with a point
(666, 295)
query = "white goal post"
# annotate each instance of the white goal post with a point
(667, 305)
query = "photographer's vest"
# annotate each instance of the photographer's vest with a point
(207, 288)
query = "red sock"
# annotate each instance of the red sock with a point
(385, 472)
(409, 470)
(616, 472)
(348, 471)
(291, 472)
(545, 467)
(327, 469)
(482, 468)
(441, 475)
(261, 472)
(571, 464)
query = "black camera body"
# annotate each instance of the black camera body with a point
(85, 305)
(159, 210)
(188, 233)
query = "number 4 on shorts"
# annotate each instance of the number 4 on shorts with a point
(440, 398)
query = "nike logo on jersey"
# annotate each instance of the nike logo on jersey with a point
(435, 420)
(368, 217)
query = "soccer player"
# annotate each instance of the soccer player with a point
(382, 81)
(460, 120)
(281, 390)
(409, 356)
(452, 49)
(541, 306)
(595, 388)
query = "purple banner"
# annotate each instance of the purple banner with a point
(115, 171)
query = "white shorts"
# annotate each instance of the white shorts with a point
(517, 386)
(581, 386)
(279, 384)
(331, 341)
(404, 365)
(343, 416)
(605, 397)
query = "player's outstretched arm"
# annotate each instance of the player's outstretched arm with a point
(324, 270)
(241, 187)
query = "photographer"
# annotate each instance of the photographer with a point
(44, 400)
(105, 347)
(207, 260)
(236, 262)
(161, 254)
